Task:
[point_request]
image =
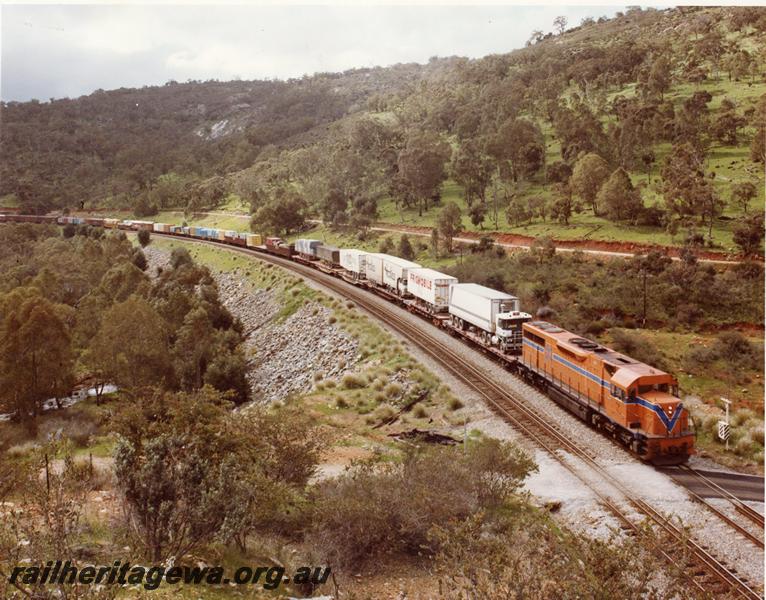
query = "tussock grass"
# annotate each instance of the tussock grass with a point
(353, 382)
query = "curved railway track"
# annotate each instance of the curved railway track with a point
(705, 572)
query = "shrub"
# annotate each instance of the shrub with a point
(698, 358)
(730, 346)
(455, 404)
(378, 508)
(384, 412)
(737, 350)
(353, 382)
(144, 238)
(596, 327)
(638, 347)
(744, 446)
(405, 249)
(741, 417)
(419, 411)
(757, 434)
(393, 390)
(386, 245)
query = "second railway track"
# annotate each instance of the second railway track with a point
(704, 571)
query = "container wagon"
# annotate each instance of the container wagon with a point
(494, 315)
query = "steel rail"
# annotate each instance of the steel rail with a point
(739, 505)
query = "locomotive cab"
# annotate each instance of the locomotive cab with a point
(655, 412)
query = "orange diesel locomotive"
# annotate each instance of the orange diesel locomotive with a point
(637, 404)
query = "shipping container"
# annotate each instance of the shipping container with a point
(395, 271)
(430, 287)
(162, 227)
(373, 268)
(388, 271)
(207, 233)
(111, 223)
(254, 239)
(235, 237)
(352, 260)
(221, 235)
(95, 221)
(307, 247)
(142, 225)
(329, 255)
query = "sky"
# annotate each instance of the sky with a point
(57, 51)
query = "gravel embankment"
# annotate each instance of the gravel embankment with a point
(283, 355)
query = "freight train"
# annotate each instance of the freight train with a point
(635, 403)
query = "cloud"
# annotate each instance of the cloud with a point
(70, 50)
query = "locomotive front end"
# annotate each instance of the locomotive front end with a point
(664, 419)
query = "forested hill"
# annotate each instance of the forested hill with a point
(117, 143)
(652, 118)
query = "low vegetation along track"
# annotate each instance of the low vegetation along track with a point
(705, 572)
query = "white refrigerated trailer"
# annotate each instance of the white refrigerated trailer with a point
(353, 262)
(388, 271)
(430, 288)
(495, 315)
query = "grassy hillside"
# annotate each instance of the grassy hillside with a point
(499, 135)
